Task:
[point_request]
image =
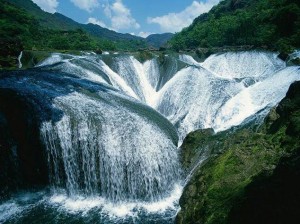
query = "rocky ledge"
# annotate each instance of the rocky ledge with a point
(251, 176)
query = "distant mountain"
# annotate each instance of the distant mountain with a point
(61, 22)
(25, 26)
(158, 40)
(97, 30)
(260, 23)
(21, 30)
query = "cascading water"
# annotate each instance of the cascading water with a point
(96, 149)
(242, 65)
(261, 95)
(108, 149)
(19, 59)
(103, 148)
(192, 94)
(190, 100)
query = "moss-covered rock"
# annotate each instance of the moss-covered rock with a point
(294, 61)
(31, 58)
(143, 56)
(272, 198)
(193, 147)
(9, 51)
(221, 184)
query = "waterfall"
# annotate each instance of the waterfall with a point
(19, 60)
(250, 64)
(111, 126)
(190, 100)
(261, 95)
(224, 90)
(192, 95)
(103, 147)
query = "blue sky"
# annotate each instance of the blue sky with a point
(139, 17)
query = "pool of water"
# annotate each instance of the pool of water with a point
(48, 207)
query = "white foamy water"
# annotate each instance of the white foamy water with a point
(114, 159)
(266, 93)
(44, 206)
(189, 60)
(112, 154)
(141, 77)
(118, 81)
(9, 210)
(19, 59)
(224, 90)
(123, 209)
(193, 97)
(106, 148)
(243, 64)
(54, 58)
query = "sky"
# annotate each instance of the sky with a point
(138, 17)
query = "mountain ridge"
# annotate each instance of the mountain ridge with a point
(60, 21)
(24, 26)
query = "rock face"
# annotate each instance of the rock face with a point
(22, 160)
(256, 169)
(193, 147)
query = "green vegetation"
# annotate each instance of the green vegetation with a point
(143, 56)
(58, 21)
(19, 30)
(23, 25)
(158, 40)
(246, 166)
(261, 23)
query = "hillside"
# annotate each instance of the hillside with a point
(158, 40)
(21, 30)
(51, 21)
(274, 24)
(61, 22)
(23, 25)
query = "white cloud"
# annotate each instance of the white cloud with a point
(120, 16)
(107, 10)
(174, 22)
(96, 21)
(88, 5)
(144, 34)
(47, 5)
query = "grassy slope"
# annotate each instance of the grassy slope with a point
(221, 186)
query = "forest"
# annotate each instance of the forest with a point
(21, 30)
(271, 24)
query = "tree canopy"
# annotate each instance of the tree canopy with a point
(271, 23)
